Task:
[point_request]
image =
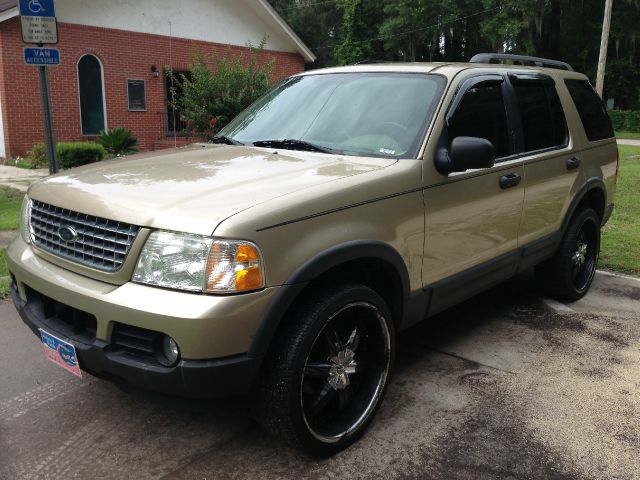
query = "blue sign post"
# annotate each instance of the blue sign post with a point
(47, 57)
(39, 26)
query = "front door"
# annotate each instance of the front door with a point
(173, 92)
(472, 217)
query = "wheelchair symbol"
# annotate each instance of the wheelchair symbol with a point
(36, 7)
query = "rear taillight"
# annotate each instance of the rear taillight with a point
(617, 165)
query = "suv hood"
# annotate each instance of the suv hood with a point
(193, 189)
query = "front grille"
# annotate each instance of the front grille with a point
(100, 243)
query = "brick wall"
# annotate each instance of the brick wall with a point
(123, 55)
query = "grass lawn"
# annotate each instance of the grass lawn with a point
(620, 249)
(10, 202)
(4, 282)
(628, 135)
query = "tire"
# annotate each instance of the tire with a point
(327, 372)
(569, 273)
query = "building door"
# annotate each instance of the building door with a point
(91, 87)
(173, 90)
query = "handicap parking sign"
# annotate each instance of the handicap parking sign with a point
(38, 20)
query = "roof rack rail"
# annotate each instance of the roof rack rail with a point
(520, 59)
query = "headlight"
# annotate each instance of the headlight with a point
(200, 264)
(25, 215)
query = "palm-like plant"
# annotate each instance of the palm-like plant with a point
(118, 141)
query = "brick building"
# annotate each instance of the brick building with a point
(113, 56)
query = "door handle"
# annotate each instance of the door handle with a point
(510, 180)
(573, 162)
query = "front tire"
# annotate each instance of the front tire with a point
(328, 371)
(569, 273)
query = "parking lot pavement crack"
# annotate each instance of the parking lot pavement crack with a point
(459, 357)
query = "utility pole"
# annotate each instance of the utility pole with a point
(604, 43)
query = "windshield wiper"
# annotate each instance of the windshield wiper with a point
(225, 140)
(291, 144)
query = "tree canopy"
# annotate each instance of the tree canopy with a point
(342, 32)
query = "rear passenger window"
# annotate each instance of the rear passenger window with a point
(543, 122)
(482, 114)
(591, 110)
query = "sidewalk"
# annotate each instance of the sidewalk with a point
(20, 178)
(624, 141)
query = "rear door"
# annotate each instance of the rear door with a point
(552, 164)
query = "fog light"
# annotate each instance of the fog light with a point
(170, 351)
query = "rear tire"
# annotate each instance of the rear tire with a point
(569, 273)
(328, 370)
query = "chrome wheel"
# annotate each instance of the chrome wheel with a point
(345, 372)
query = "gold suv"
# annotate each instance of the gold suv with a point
(343, 206)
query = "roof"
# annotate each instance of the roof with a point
(7, 4)
(262, 8)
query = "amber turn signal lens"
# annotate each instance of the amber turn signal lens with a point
(248, 279)
(234, 266)
(247, 252)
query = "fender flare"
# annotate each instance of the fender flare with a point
(591, 184)
(312, 269)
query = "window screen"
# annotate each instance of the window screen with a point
(591, 110)
(482, 114)
(136, 95)
(543, 122)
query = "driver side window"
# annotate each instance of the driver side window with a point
(482, 114)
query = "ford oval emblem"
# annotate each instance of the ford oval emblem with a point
(67, 234)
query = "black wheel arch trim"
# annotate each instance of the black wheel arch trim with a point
(312, 269)
(591, 184)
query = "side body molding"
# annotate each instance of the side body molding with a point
(312, 269)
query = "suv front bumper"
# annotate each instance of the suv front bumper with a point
(213, 332)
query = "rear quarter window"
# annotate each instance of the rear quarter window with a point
(593, 114)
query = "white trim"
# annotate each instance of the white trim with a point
(9, 14)
(302, 48)
(3, 151)
(104, 97)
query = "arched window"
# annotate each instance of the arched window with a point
(92, 108)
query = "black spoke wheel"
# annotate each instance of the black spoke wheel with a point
(328, 372)
(345, 371)
(569, 273)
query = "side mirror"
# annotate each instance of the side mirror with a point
(465, 153)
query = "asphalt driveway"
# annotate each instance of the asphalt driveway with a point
(504, 386)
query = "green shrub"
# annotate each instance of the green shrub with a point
(74, 154)
(37, 156)
(118, 141)
(625, 120)
(220, 87)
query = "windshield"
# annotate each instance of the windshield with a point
(366, 114)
